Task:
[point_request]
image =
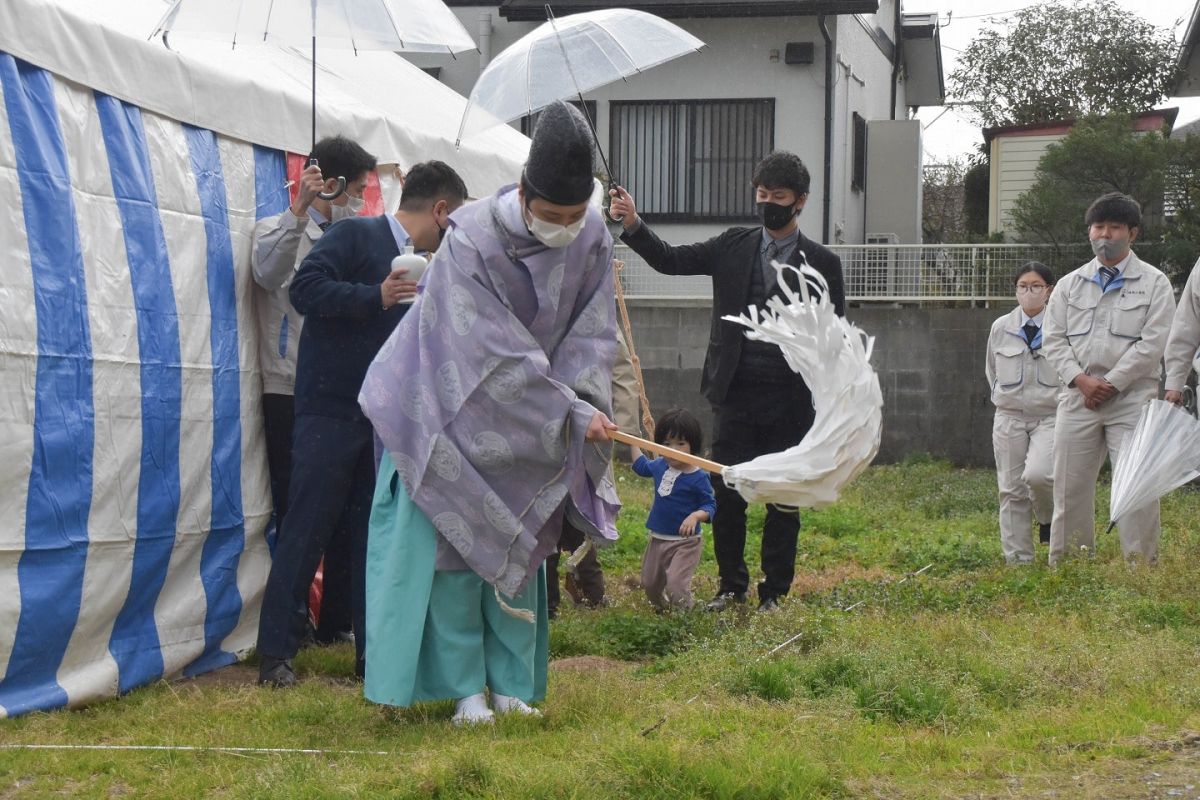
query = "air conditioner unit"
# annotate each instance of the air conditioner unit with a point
(878, 265)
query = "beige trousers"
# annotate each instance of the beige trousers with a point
(625, 396)
(1082, 439)
(1024, 449)
(667, 570)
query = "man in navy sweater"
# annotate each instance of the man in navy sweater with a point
(351, 301)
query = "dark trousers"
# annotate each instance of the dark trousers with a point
(589, 578)
(332, 483)
(279, 418)
(749, 424)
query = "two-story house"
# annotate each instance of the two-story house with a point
(831, 80)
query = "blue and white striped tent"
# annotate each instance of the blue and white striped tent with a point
(133, 491)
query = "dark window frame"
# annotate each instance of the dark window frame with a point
(858, 168)
(693, 183)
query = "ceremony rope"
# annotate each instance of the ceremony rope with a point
(627, 329)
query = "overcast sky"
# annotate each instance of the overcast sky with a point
(951, 134)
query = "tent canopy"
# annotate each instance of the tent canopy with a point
(259, 93)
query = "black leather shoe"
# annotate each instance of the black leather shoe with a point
(276, 672)
(1044, 533)
(768, 604)
(725, 600)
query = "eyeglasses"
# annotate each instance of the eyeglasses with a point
(1033, 290)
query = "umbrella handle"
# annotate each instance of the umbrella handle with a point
(663, 450)
(613, 185)
(336, 193)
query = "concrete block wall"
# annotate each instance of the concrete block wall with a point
(929, 362)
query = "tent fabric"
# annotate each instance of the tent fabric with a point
(134, 499)
(133, 484)
(259, 93)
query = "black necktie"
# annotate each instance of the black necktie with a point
(324, 225)
(1108, 275)
(1031, 330)
(772, 251)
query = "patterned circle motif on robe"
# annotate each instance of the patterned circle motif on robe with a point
(554, 440)
(388, 348)
(549, 500)
(412, 399)
(491, 453)
(429, 318)
(590, 382)
(456, 530)
(554, 284)
(505, 381)
(500, 516)
(593, 320)
(463, 311)
(407, 469)
(511, 578)
(445, 459)
(449, 387)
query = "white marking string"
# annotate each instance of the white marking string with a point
(192, 749)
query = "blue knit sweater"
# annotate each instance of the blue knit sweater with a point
(692, 491)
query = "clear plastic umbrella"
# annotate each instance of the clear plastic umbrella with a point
(414, 26)
(834, 358)
(565, 57)
(1161, 454)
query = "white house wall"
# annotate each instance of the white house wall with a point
(863, 86)
(738, 63)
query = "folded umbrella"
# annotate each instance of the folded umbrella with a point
(1161, 454)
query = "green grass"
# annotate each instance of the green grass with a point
(969, 680)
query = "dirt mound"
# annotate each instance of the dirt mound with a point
(589, 664)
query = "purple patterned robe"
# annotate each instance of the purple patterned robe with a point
(484, 392)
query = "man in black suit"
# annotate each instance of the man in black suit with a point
(759, 405)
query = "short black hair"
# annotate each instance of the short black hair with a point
(339, 156)
(679, 423)
(782, 170)
(430, 181)
(1114, 207)
(1035, 266)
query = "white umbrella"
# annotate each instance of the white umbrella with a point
(1161, 454)
(566, 57)
(834, 358)
(415, 26)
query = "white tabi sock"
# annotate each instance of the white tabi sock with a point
(505, 704)
(472, 710)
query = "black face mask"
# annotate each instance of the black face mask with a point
(441, 232)
(775, 216)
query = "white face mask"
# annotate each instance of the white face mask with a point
(553, 235)
(350, 209)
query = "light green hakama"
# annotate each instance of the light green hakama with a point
(441, 635)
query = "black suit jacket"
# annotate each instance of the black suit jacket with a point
(729, 258)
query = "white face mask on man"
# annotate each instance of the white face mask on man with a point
(550, 234)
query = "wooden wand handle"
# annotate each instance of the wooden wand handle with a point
(662, 450)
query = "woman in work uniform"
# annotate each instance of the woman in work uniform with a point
(1024, 389)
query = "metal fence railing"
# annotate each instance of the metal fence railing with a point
(961, 273)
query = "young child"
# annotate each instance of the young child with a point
(1024, 388)
(683, 498)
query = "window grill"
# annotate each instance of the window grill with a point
(691, 160)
